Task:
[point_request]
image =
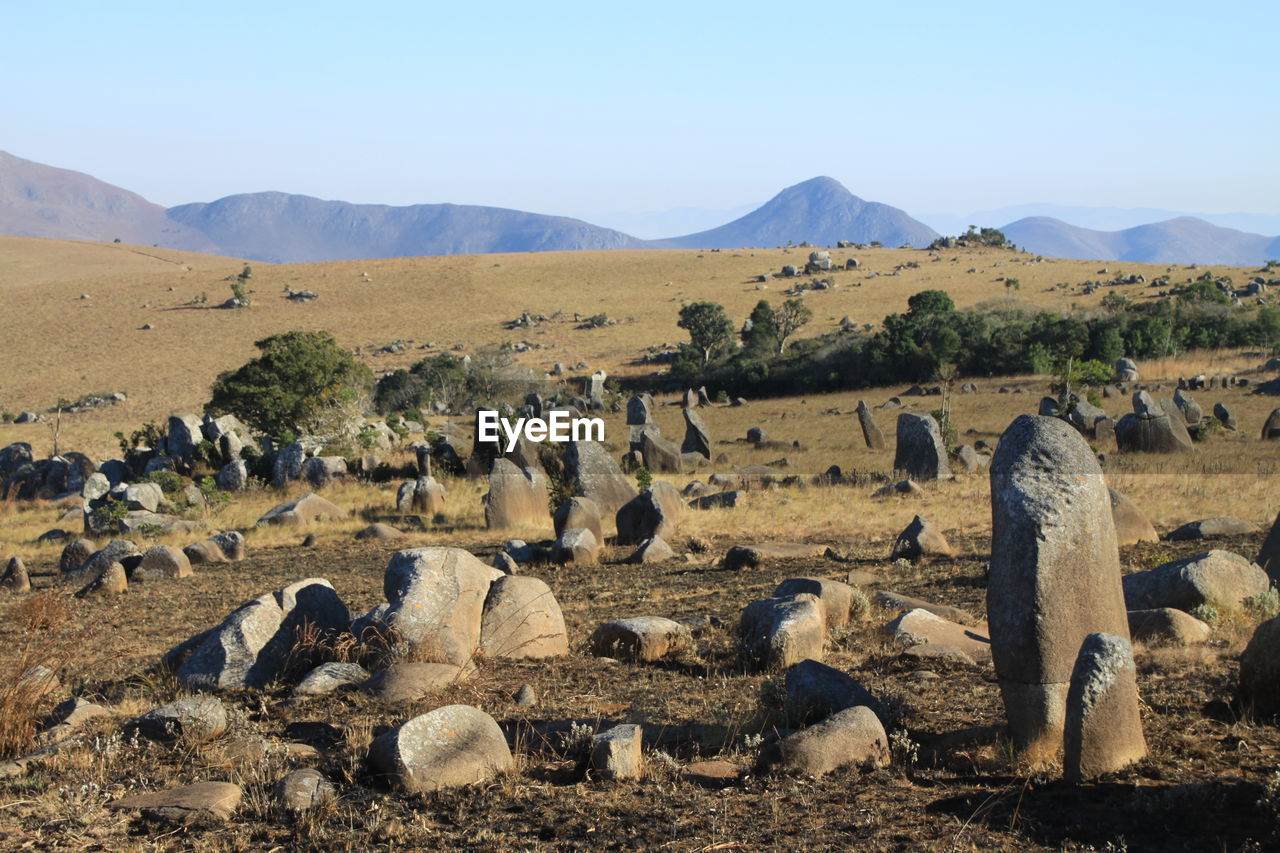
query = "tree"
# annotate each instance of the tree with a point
(300, 383)
(788, 319)
(930, 302)
(709, 327)
(762, 337)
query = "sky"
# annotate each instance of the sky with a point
(584, 108)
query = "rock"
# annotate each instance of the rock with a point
(969, 461)
(852, 736)
(639, 410)
(75, 555)
(581, 514)
(448, 747)
(288, 465)
(653, 512)
(405, 682)
(660, 456)
(252, 645)
(719, 500)
(185, 804)
(815, 690)
(303, 790)
(1166, 626)
(932, 653)
(697, 438)
(233, 477)
(920, 627)
(713, 774)
(110, 581)
(1190, 409)
(304, 510)
(525, 697)
(757, 435)
(320, 471)
(1149, 429)
(1225, 416)
(920, 452)
(517, 497)
(1260, 670)
(920, 539)
(1271, 427)
(576, 548)
(753, 556)
(162, 561)
(615, 753)
(144, 496)
(15, 577)
(1214, 528)
(1103, 726)
(96, 487)
(379, 532)
(592, 473)
(184, 436)
(1132, 525)
(900, 489)
(836, 597)
(903, 603)
(871, 433)
(423, 495)
(121, 551)
(436, 601)
(1220, 579)
(330, 677)
(1269, 555)
(641, 638)
(1054, 576)
(205, 551)
(192, 719)
(521, 619)
(654, 550)
(778, 632)
(1126, 370)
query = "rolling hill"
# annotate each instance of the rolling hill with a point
(1184, 240)
(43, 201)
(820, 211)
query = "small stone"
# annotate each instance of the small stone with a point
(193, 718)
(852, 736)
(526, 696)
(201, 801)
(303, 790)
(329, 677)
(616, 753)
(401, 683)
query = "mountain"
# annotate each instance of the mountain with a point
(283, 228)
(42, 201)
(654, 225)
(819, 211)
(1098, 218)
(1184, 240)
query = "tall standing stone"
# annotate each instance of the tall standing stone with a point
(1150, 429)
(697, 438)
(920, 452)
(1103, 725)
(871, 433)
(639, 415)
(593, 473)
(1055, 573)
(517, 496)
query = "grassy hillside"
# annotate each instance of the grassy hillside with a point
(60, 345)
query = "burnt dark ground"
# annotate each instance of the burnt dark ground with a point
(952, 784)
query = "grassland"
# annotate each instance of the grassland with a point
(952, 784)
(62, 347)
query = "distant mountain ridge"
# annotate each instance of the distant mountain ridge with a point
(1184, 240)
(284, 228)
(43, 201)
(820, 211)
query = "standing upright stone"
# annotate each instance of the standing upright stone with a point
(288, 465)
(593, 473)
(595, 389)
(516, 496)
(639, 415)
(1055, 573)
(1271, 429)
(697, 439)
(1191, 411)
(690, 399)
(1150, 429)
(871, 433)
(1103, 726)
(920, 452)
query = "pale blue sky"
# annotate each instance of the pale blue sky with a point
(577, 108)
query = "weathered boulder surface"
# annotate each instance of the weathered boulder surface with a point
(920, 539)
(1132, 524)
(435, 600)
(641, 638)
(778, 632)
(522, 619)
(1103, 725)
(920, 452)
(852, 736)
(1220, 579)
(1055, 573)
(445, 748)
(308, 508)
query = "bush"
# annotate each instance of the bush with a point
(492, 376)
(302, 382)
(168, 481)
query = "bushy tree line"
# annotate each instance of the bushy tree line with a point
(1000, 337)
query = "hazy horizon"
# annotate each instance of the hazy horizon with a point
(588, 111)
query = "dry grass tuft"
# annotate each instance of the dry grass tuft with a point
(51, 642)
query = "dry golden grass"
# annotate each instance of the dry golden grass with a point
(61, 346)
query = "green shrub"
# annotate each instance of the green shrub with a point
(644, 479)
(1206, 613)
(168, 481)
(1263, 606)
